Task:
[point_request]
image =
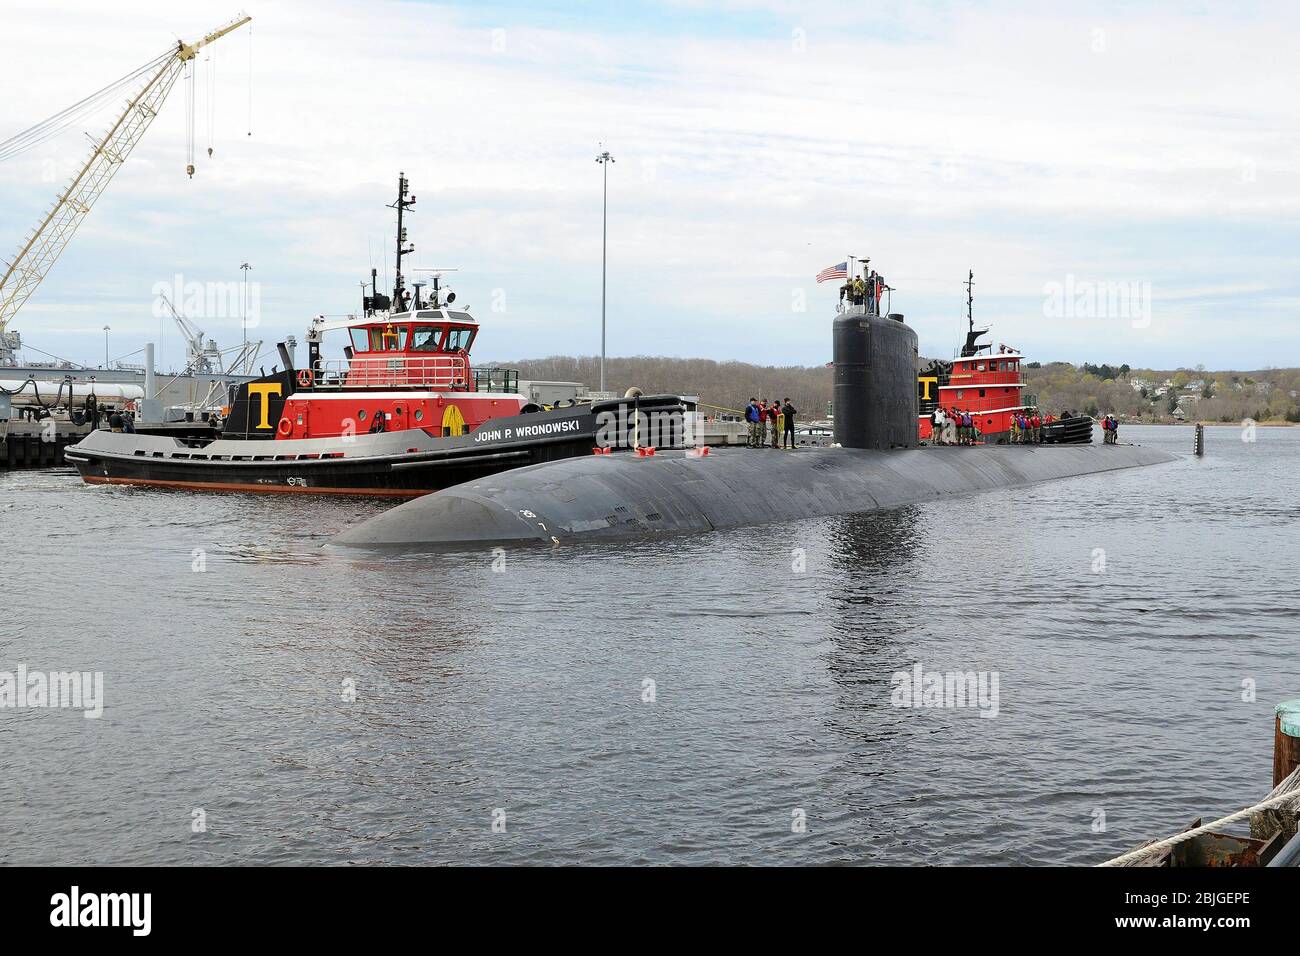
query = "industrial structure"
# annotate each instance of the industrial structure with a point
(149, 86)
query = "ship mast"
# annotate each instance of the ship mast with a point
(971, 347)
(970, 299)
(403, 249)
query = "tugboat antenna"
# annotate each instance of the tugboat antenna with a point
(403, 249)
(970, 299)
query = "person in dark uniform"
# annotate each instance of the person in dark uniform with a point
(789, 412)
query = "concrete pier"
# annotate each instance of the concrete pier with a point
(620, 496)
(37, 444)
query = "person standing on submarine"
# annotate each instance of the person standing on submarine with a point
(788, 412)
(774, 418)
(752, 414)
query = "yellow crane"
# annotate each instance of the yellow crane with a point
(47, 241)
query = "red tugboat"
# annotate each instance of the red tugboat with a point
(403, 414)
(989, 385)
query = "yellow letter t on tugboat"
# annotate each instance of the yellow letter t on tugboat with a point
(264, 391)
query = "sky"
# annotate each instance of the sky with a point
(1123, 179)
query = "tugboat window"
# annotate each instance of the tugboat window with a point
(425, 338)
(419, 414)
(360, 339)
(459, 339)
(387, 338)
(361, 415)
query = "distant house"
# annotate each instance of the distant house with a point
(1189, 398)
(1196, 384)
(1140, 383)
(1179, 414)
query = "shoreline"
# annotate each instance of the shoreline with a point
(1209, 424)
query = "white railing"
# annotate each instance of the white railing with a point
(435, 371)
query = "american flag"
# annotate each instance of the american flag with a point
(839, 271)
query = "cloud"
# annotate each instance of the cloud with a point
(755, 144)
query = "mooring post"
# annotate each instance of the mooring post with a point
(1286, 739)
(1200, 439)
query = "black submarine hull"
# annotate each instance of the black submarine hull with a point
(618, 497)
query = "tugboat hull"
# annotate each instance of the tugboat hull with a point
(404, 464)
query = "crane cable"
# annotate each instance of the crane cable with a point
(250, 79)
(212, 99)
(50, 127)
(189, 117)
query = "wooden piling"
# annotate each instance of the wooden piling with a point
(1286, 739)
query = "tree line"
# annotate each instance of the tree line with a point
(1225, 396)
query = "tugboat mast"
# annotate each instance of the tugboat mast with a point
(972, 335)
(970, 299)
(402, 204)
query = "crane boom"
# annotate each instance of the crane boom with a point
(47, 241)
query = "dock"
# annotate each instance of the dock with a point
(1272, 840)
(39, 444)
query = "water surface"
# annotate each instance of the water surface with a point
(232, 642)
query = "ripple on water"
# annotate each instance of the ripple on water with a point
(683, 701)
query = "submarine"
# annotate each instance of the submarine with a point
(877, 462)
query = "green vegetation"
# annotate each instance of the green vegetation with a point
(1268, 395)
(729, 385)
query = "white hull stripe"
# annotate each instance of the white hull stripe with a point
(356, 394)
(988, 411)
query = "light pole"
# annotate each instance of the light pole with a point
(106, 330)
(243, 305)
(604, 159)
